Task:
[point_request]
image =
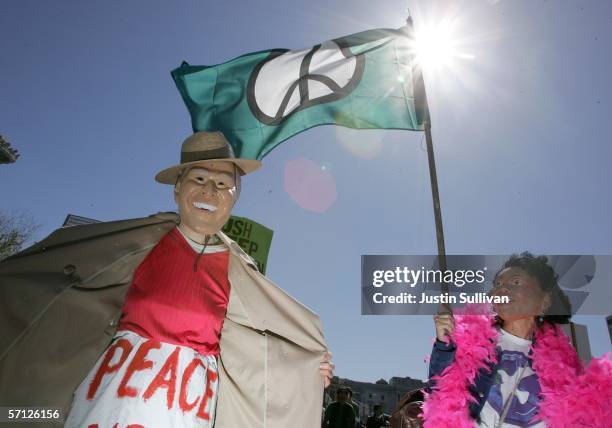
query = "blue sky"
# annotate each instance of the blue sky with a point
(520, 131)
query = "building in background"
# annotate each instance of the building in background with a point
(367, 394)
(609, 320)
(7, 153)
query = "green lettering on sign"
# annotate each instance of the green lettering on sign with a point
(252, 237)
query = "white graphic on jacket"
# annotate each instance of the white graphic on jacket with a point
(524, 405)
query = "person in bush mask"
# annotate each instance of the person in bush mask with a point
(161, 321)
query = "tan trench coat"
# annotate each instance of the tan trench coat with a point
(60, 301)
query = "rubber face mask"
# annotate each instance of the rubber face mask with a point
(205, 196)
(526, 299)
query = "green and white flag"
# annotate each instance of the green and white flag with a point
(258, 100)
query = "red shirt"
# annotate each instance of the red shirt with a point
(171, 303)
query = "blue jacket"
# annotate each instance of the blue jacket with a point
(443, 356)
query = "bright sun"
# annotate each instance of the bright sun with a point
(436, 46)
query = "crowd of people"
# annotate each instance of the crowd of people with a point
(344, 413)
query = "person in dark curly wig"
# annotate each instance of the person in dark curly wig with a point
(513, 367)
(534, 270)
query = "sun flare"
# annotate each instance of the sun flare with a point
(438, 45)
(435, 46)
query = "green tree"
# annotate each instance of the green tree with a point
(15, 230)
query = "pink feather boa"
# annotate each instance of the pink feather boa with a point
(572, 395)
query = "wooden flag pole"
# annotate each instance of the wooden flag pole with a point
(422, 112)
(444, 308)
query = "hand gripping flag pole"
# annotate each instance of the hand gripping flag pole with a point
(422, 112)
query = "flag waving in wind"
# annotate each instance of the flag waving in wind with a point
(258, 100)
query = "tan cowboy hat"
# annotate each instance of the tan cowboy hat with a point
(205, 146)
